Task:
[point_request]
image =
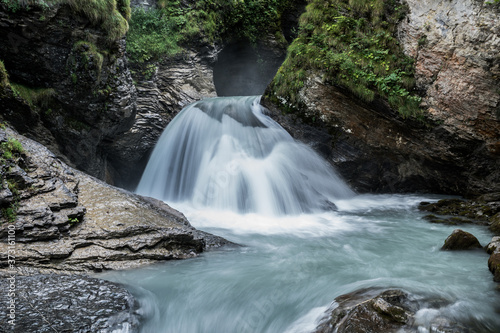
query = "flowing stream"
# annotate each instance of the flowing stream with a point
(306, 238)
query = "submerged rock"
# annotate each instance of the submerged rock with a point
(68, 221)
(62, 303)
(461, 240)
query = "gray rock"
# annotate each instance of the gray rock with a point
(62, 303)
(73, 222)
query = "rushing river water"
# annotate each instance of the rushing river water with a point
(291, 268)
(238, 175)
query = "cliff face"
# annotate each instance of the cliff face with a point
(453, 148)
(75, 52)
(456, 45)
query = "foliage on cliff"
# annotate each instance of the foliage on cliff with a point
(175, 24)
(110, 15)
(352, 44)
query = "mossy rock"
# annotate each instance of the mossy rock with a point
(494, 266)
(495, 224)
(461, 240)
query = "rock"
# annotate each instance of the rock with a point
(71, 222)
(474, 211)
(495, 224)
(461, 240)
(173, 85)
(91, 96)
(493, 249)
(373, 310)
(456, 150)
(62, 303)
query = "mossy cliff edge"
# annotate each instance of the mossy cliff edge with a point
(66, 81)
(399, 95)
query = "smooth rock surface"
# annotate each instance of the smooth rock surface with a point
(461, 240)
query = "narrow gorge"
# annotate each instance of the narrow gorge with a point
(249, 166)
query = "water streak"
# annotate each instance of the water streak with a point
(225, 153)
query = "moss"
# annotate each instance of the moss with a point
(4, 76)
(91, 57)
(10, 152)
(34, 96)
(106, 13)
(351, 44)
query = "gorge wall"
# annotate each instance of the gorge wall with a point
(452, 147)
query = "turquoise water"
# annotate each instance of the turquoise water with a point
(290, 269)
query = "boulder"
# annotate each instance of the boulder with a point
(65, 220)
(461, 240)
(385, 311)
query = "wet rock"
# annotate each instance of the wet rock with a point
(461, 240)
(373, 310)
(62, 303)
(495, 224)
(493, 249)
(457, 150)
(458, 211)
(73, 222)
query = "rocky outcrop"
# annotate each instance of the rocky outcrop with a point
(454, 149)
(461, 240)
(483, 210)
(76, 55)
(455, 45)
(161, 94)
(493, 250)
(64, 220)
(62, 303)
(373, 310)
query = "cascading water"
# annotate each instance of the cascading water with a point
(225, 153)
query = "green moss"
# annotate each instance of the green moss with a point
(10, 152)
(351, 44)
(106, 13)
(4, 76)
(33, 96)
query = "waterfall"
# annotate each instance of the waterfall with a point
(225, 153)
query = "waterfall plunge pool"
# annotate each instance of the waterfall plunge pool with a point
(290, 269)
(236, 173)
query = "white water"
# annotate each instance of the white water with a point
(225, 153)
(292, 267)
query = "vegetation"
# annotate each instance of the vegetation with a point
(33, 96)
(111, 15)
(4, 76)
(10, 153)
(156, 33)
(352, 44)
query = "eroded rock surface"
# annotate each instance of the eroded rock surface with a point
(63, 303)
(69, 221)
